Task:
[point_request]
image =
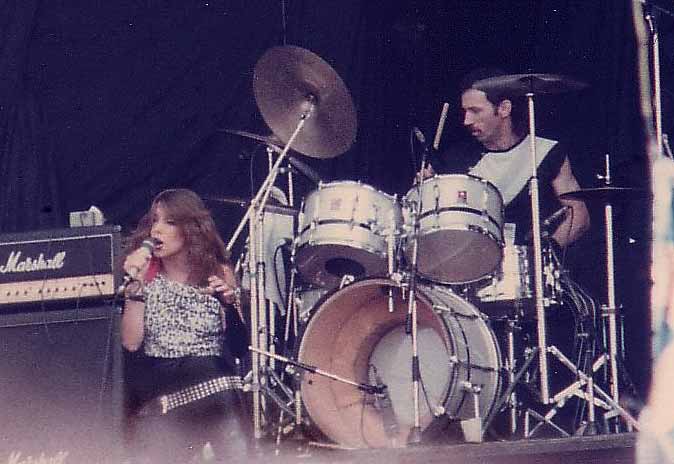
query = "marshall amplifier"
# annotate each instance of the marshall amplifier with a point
(59, 265)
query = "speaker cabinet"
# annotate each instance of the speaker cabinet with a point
(61, 386)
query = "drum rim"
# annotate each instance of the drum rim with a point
(459, 209)
(324, 185)
(423, 296)
(436, 177)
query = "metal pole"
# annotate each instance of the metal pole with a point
(538, 257)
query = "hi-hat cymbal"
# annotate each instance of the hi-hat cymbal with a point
(605, 194)
(269, 140)
(291, 83)
(519, 85)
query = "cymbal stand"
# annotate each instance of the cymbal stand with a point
(538, 256)
(609, 311)
(541, 326)
(254, 216)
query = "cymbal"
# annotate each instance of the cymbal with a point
(605, 194)
(272, 205)
(270, 140)
(242, 202)
(290, 83)
(519, 85)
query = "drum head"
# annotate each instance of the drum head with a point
(325, 264)
(353, 335)
(457, 256)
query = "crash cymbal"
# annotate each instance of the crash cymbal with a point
(275, 203)
(519, 85)
(606, 194)
(270, 140)
(290, 83)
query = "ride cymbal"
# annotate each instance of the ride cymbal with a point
(291, 83)
(606, 194)
(519, 85)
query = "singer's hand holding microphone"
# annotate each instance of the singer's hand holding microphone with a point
(136, 263)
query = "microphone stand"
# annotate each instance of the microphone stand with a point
(654, 45)
(254, 216)
(367, 388)
(411, 321)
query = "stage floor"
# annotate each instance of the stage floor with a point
(600, 449)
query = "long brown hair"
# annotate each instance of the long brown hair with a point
(206, 252)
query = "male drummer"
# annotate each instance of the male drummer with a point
(500, 152)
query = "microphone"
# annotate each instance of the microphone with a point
(147, 247)
(419, 135)
(556, 216)
(550, 221)
(382, 402)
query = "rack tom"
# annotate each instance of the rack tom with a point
(346, 228)
(460, 228)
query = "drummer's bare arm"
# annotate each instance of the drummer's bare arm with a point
(578, 221)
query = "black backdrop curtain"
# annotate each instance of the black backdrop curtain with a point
(106, 103)
(29, 194)
(133, 93)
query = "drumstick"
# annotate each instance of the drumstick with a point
(441, 126)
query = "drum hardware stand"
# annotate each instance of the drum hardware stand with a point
(291, 314)
(472, 428)
(254, 216)
(609, 311)
(654, 44)
(367, 388)
(510, 368)
(585, 388)
(411, 320)
(391, 252)
(508, 395)
(538, 256)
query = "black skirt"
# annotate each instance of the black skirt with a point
(217, 419)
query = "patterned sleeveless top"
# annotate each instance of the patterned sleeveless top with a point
(180, 321)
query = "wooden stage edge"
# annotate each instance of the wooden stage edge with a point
(600, 449)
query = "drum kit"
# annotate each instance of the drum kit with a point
(389, 305)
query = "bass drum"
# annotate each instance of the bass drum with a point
(352, 334)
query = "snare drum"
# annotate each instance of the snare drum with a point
(512, 285)
(460, 236)
(345, 229)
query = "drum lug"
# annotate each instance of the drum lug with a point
(347, 279)
(397, 277)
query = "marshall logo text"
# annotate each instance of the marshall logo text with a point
(59, 458)
(16, 263)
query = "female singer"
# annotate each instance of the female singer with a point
(174, 314)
